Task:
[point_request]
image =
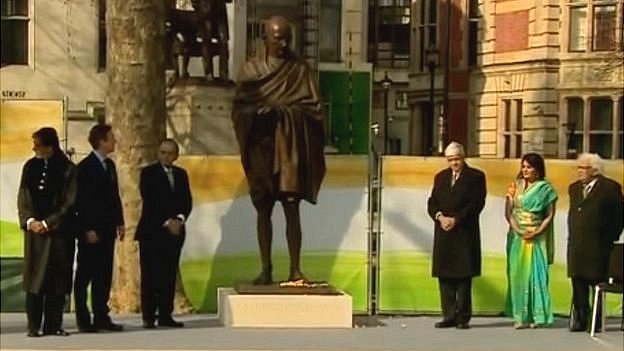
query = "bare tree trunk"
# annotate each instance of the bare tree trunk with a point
(181, 304)
(135, 103)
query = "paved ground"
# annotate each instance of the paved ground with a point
(203, 332)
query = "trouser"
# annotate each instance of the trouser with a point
(43, 305)
(95, 267)
(456, 299)
(159, 266)
(580, 302)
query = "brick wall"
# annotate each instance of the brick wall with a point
(512, 31)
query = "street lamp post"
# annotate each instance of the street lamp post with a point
(386, 82)
(432, 61)
(374, 205)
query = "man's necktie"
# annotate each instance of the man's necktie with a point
(110, 170)
(454, 178)
(169, 172)
(586, 189)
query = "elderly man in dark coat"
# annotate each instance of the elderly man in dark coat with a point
(45, 207)
(594, 223)
(457, 198)
(279, 127)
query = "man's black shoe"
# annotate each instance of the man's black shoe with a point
(445, 324)
(87, 329)
(33, 334)
(58, 332)
(462, 326)
(578, 327)
(149, 325)
(110, 326)
(170, 323)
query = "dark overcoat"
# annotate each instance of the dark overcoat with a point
(594, 223)
(457, 253)
(47, 193)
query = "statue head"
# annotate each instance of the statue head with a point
(277, 36)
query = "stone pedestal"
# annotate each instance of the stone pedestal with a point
(283, 311)
(198, 118)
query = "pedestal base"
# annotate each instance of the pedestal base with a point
(283, 311)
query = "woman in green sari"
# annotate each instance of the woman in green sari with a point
(529, 210)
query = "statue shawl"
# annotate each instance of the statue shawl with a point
(288, 87)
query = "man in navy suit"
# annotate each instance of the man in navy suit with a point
(100, 219)
(167, 204)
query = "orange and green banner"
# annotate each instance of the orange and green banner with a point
(406, 282)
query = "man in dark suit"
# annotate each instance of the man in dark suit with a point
(100, 218)
(594, 223)
(45, 207)
(167, 204)
(457, 198)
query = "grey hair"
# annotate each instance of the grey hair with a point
(593, 160)
(454, 149)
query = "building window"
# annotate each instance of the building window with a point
(593, 25)
(575, 125)
(102, 35)
(473, 32)
(601, 126)
(330, 29)
(427, 30)
(597, 131)
(389, 33)
(512, 128)
(378, 99)
(14, 32)
(400, 102)
(604, 28)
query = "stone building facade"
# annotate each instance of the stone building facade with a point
(531, 75)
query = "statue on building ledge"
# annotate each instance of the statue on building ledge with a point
(202, 32)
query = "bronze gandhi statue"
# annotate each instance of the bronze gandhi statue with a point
(278, 122)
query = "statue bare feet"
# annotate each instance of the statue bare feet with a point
(264, 278)
(297, 276)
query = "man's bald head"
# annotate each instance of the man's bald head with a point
(277, 26)
(277, 35)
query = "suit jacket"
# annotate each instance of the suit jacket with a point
(457, 253)
(594, 223)
(160, 201)
(98, 202)
(48, 194)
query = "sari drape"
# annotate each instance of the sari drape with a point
(528, 296)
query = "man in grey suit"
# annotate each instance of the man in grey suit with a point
(594, 223)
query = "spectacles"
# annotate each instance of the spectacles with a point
(584, 167)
